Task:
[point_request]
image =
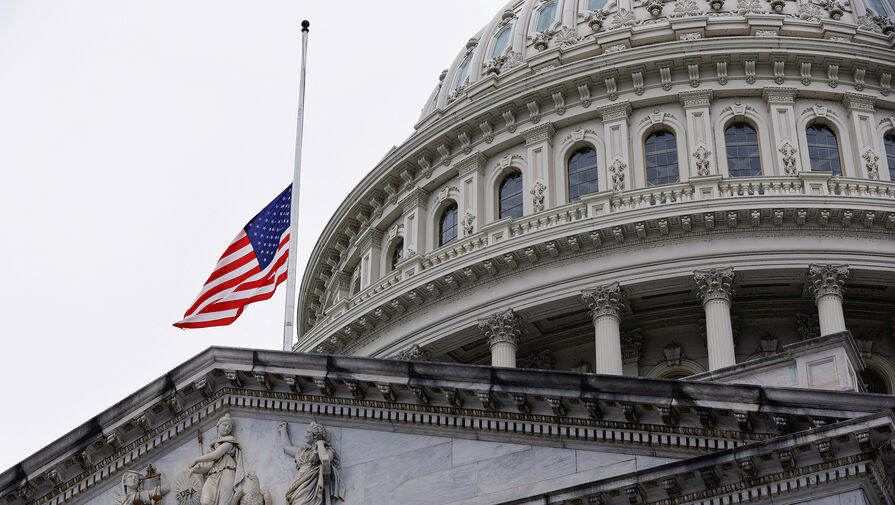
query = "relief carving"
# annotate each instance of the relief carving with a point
(142, 489)
(537, 196)
(318, 481)
(221, 466)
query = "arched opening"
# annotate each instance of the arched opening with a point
(397, 253)
(743, 153)
(660, 154)
(546, 17)
(875, 381)
(582, 173)
(509, 196)
(501, 42)
(447, 225)
(823, 149)
(889, 144)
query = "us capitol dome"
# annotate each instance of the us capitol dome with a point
(633, 254)
(659, 188)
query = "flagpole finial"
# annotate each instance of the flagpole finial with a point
(305, 25)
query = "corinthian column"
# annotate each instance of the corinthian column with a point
(503, 332)
(606, 304)
(826, 282)
(714, 289)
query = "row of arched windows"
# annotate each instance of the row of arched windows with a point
(661, 163)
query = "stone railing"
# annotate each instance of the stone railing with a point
(509, 235)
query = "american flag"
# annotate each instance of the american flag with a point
(249, 270)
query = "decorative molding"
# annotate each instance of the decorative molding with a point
(714, 284)
(538, 134)
(606, 300)
(621, 110)
(701, 98)
(414, 353)
(774, 95)
(503, 327)
(824, 280)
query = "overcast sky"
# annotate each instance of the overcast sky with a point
(137, 138)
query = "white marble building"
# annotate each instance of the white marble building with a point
(635, 253)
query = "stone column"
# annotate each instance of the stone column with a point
(714, 289)
(503, 332)
(606, 304)
(825, 282)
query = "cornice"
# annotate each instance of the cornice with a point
(592, 408)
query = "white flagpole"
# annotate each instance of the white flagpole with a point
(289, 321)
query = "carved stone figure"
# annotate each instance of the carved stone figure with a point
(702, 160)
(468, 223)
(789, 158)
(318, 481)
(221, 465)
(537, 196)
(135, 488)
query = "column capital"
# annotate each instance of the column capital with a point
(714, 284)
(621, 110)
(606, 300)
(858, 101)
(779, 95)
(502, 327)
(475, 162)
(827, 280)
(539, 134)
(698, 98)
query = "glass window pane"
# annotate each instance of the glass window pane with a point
(546, 17)
(582, 176)
(501, 43)
(510, 196)
(464, 72)
(823, 149)
(743, 153)
(595, 4)
(448, 225)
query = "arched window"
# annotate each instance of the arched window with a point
(397, 253)
(464, 72)
(660, 149)
(743, 157)
(823, 150)
(546, 17)
(447, 225)
(593, 5)
(510, 195)
(582, 173)
(889, 142)
(503, 39)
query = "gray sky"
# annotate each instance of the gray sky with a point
(137, 138)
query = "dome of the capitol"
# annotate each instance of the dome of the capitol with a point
(654, 188)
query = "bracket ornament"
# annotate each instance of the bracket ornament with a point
(714, 284)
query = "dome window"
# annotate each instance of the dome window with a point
(447, 225)
(823, 150)
(546, 17)
(889, 141)
(464, 72)
(877, 7)
(582, 173)
(743, 157)
(501, 43)
(510, 196)
(593, 5)
(660, 149)
(397, 253)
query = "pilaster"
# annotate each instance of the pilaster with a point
(539, 144)
(865, 154)
(370, 246)
(700, 138)
(618, 150)
(415, 222)
(470, 171)
(784, 134)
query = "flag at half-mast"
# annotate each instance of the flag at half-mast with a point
(250, 269)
